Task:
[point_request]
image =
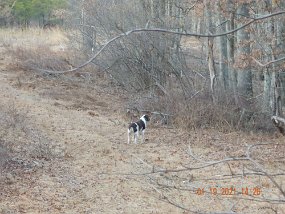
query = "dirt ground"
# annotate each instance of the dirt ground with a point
(77, 160)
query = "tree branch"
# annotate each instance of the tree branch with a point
(268, 63)
(160, 31)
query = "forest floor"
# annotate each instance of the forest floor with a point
(63, 150)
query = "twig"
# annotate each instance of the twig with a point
(152, 112)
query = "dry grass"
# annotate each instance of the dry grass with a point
(36, 48)
(33, 37)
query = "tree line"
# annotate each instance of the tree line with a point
(238, 68)
(25, 12)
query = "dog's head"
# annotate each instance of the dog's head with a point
(146, 117)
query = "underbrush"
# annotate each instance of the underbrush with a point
(200, 111)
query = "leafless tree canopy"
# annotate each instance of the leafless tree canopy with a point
(231, 52)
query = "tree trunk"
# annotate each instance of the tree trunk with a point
(275, 93)
(231, 51)
(159, 13)
(266, 91)
(223, 73)
(281, 45)
(211, 61)
(244, 75)
(276, 83)
(267, 30)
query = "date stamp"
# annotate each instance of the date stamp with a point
(228, 191)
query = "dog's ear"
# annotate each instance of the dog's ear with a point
(148, 113)
(147, 117)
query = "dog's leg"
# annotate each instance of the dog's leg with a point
(136, 134)
(129, 136)
(142, 136)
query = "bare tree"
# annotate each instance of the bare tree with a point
(223, 43)
(244, 74)
(211, 63)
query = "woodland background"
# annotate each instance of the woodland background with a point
(210, 73)
(236, 76)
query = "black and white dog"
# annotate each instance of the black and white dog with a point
(137, 127)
